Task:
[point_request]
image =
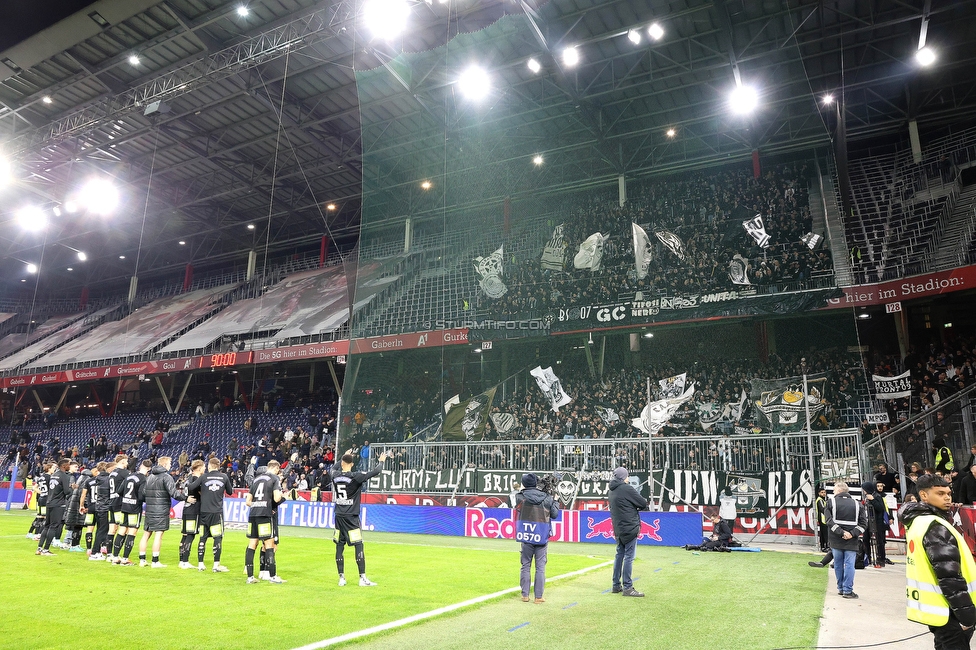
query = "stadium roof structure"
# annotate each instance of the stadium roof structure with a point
(79, 98)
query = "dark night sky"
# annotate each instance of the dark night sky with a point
(20, 19)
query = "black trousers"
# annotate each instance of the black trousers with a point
(951, 636)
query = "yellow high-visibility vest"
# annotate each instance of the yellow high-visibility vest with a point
(944, 452)
(926, 604)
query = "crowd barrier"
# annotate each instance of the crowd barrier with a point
(657, 528)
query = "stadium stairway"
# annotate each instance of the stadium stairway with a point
(954, 247)
(827, 218)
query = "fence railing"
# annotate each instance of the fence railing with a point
(751, 454)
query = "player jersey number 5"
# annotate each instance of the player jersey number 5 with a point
(342, 496)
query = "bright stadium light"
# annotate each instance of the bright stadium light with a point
(538, 159)
(925, 57)
(250, 226)
(81, 256)
(243, 11)
(570, 56)
(386, 18)
(99, 196)
(32, 268)
(474, 83)
(743, 100)
(134, 59)
(426, 185)
(828, 99)
(671, 133)
(47, 99)
(634, 36)
(655, 31)
(31, 218)
(534, 66)
(182, 243)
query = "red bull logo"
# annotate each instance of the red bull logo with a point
(604, 529)
(500, 524)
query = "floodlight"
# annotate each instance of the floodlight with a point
(649, 335)
(671, 133)
(250, 226)
(32, 268)
(31, 218)
(570, 56)
(81, 256)
(474, 83)
(634, 36)
(655, 31)
(743, 100)
(426, 185)
(925, 57)
(99, 196)
(331, 207)
(70, 206)
(121, 257)
(56, 210)
(386, 18)
(828, 99)
(134, 59)
(538, 159)
(70, 269)
(47, 99)
(243, 11)
(182, 243)
(534, 66)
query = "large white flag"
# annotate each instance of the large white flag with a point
(672, 242)
(673, 386)
(554, 252)
(490, 270)
(893, 387)
(656, 414)
(551, 387)
(757, 230)
(590, 253)
(642, 250)
(739, 270)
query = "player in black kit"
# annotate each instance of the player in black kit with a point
(265, 490)
(41, 500)
(346, 488)
(115, 518)
(133, 492)
(191, 513)
(210, 489)
(58, 492)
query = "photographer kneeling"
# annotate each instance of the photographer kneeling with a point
(535, 509)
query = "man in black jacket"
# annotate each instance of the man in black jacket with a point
(939, 566)
(967, 487)
(536, 510)
(846, 520)
(625, 506)
(160, 490)
(58, 493)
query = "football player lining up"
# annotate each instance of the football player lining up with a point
(264, 489)
(210, 488)
(347, 486)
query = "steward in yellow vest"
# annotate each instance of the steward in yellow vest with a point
(943, 456)
(940, 568)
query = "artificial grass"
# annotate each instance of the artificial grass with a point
(738, 600)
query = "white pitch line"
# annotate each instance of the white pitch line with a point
(437, 612)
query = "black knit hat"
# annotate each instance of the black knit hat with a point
(530, 480)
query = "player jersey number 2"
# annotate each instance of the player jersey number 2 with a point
(129, 488)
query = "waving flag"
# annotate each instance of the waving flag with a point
(642, 250)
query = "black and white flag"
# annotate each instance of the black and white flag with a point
(554, 252)
(642, 250)
(757, 230)
(811, 240)
(893, 387)
(671, 242)
(551, 387)
(503, 422)
(656, 414)
(607, 413)
(673, 386)
(490, 270)
(590, 253)
(739, 270)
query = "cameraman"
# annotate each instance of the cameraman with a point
(535, 509)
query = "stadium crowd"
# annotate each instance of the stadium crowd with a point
(705, 212)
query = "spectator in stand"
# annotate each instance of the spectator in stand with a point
(891, 480)
(967, 488)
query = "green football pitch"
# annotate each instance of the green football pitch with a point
(729, 600)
